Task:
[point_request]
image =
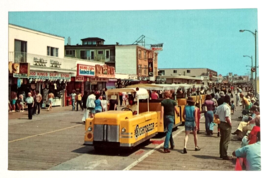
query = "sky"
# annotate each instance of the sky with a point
(191, 38)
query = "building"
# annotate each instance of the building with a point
(37, 62)
(136, 60)
(179, 80)
(204, 74)
(92, 49)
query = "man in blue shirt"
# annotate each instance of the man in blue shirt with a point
(252, 153)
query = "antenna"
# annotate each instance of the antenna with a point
(141, 40)
(69, 41)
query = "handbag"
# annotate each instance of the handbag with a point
(216, 120)
(204, 108)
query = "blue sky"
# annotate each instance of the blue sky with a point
(192, 38)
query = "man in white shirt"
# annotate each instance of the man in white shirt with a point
(30, 103)
(223, 112)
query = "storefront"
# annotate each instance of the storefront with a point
(111, 83)
(93, 78)
(44, 82)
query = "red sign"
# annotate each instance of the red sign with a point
(79, 79)
(85, 70)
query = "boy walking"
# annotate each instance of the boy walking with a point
(232, 107)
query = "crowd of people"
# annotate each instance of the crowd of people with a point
(32, 102)
(218, 109)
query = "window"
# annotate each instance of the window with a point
(188, 71)
(140, 69)
(70, 52)
(83, 54)
(94, 42)
(107, 54)
(100, 52)
(85, 43)
(20, 54)
(51, 51)
(139, 54)
(145, 55)
(92, 54)
(175, 71)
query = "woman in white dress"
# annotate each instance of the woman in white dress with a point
(104, 103)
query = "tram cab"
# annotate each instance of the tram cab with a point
(126, 128)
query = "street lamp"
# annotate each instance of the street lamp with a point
(255, 36)
(251, 77)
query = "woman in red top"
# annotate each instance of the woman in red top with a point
(154, 95)
(253, 134)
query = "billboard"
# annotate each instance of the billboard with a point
(85, 70)
(150, 67)
(157, 47)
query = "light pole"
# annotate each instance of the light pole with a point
(255, 36)
(251, 77)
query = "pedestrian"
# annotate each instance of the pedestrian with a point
(210, 106)
(154, 95)
(223, 112)
(86, 112)
(124, 97)
(104, 103)
(30, 103)
(73, 96)
(190, 123)
(79, 100)
(198, 115)
(246, 104)
(34, 98)
(252, 154)
(167, 113)
(50, 101)
(90, 104)
(98, 105)
(38, 101)
(21, 103)
(113, 103)
(215, 121)
(13, 101)
(233, 108)
(237, 98)
(221, 99)
(120, 97)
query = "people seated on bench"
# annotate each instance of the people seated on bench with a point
(245, 126)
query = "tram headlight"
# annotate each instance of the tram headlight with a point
(123, 130)
(90, 129)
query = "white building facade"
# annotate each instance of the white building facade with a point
(50, 71)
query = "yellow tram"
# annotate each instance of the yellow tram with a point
(124, 128)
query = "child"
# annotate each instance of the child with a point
(232, 107)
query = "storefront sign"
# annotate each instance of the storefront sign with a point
(112, 80)
(44, 75)
(19, 68)
(79, 79)
(105, 71)
(150, 67)
(98, 80)
(85, 70)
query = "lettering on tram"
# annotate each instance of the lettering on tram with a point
(142, 130)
